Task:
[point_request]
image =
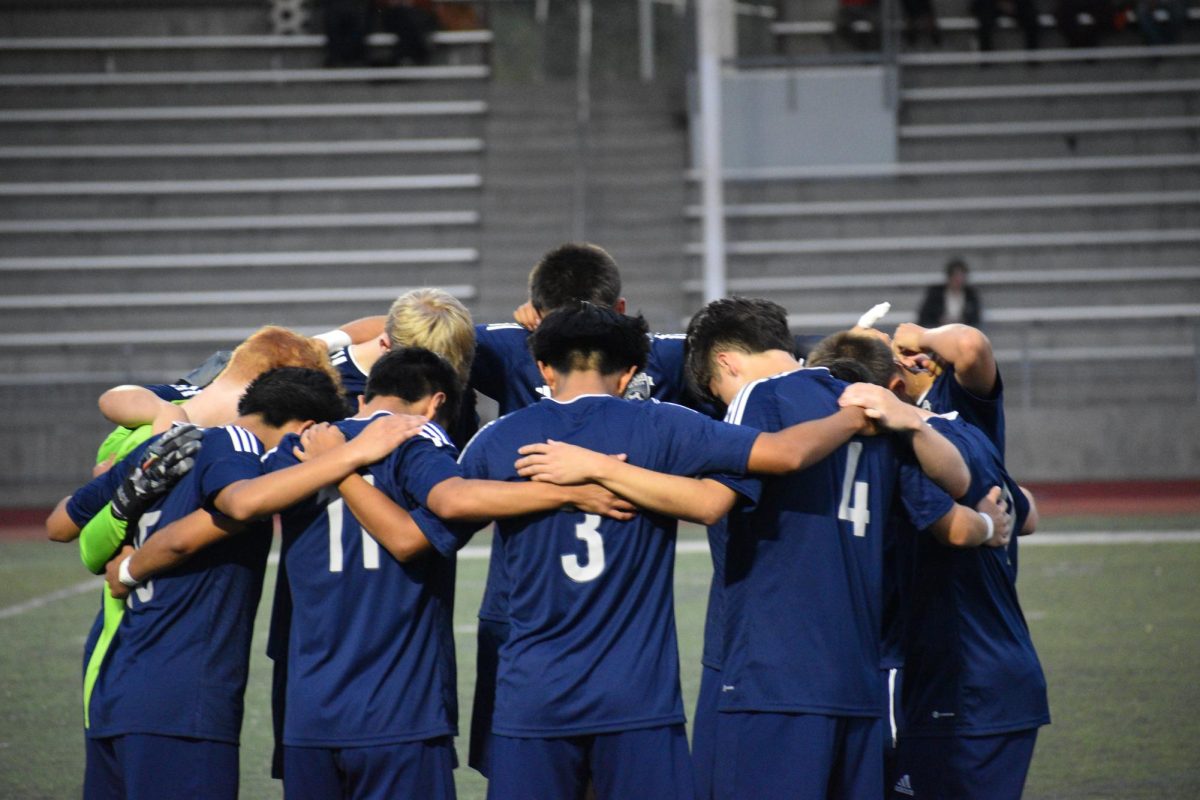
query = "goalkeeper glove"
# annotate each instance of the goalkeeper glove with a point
(166, 461)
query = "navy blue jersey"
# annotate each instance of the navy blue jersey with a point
(178, 662)
(985, 413)
(718, 539)
(591, 646)
(173, 392)
(505, 371)
(970, 665)
(90, 499)
(354, 377)
(803, 568)
(370, 651)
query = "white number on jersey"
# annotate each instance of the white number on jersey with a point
(336, 512)
(587, 531)
(860, 512)
(145, 592)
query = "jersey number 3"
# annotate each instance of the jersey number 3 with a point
(587, 531)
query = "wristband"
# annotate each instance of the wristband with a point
(991, 527)
(335, 339)
(125, 577)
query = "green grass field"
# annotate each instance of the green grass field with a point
(1117, 627)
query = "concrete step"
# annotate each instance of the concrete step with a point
(330, 272)
(1083, 143)
(1098, 255)
(125, 53)
(136, 19)
(259, 241)
(1165, 104)
(186, 92)
(1094, 177)
(306, 166)
(1032, 74)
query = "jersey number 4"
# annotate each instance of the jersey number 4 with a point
(858, 512)
(336, 512)
(587, 531)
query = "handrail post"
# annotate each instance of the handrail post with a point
(708, 71)
(583, 118)
(646, 39)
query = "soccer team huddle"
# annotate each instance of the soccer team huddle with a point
(863, 636)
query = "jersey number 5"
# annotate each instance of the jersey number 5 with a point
(336, 511)
(857, 513)
(145, 592)
(589, 532)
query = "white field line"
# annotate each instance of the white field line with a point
(35, 603)
(692, 547)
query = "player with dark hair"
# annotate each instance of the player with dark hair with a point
(370, 682)
(738, 343)
(588, 681)
(164, 713)
(973, 694)
(953, 368)
(505, 371)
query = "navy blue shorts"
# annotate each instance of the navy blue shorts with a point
(649, 762)
(491, 635)
(142, 766)
(704, 732)
(798, 756)
(423, 769)
(964, 767)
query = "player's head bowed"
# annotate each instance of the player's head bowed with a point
(413, 374)
(291, 394)
(740, 324)
(585, 336)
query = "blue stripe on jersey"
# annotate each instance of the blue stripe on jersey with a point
(592, 635)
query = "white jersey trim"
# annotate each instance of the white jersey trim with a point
(243, 441)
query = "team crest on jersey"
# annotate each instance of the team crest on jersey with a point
(641, 387)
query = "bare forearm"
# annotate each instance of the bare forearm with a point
(389, 524)
(696, 500)
(364, 328)
(177, 543)
(803, 445)
(941, 461)
(250, 499)
(466, 500)
(59, 525)
(969, 350)
(130, 406)
(961, 527)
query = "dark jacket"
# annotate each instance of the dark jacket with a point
(934, 306)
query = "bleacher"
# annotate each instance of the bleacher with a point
(173, 177)
(1069, 179)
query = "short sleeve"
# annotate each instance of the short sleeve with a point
(487, 369)
(697, 445)
(924, 502)
(222, 463)
(424, 462)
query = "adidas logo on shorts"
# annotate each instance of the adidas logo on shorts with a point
(903, 786)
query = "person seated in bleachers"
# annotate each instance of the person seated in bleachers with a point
(952, 301)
